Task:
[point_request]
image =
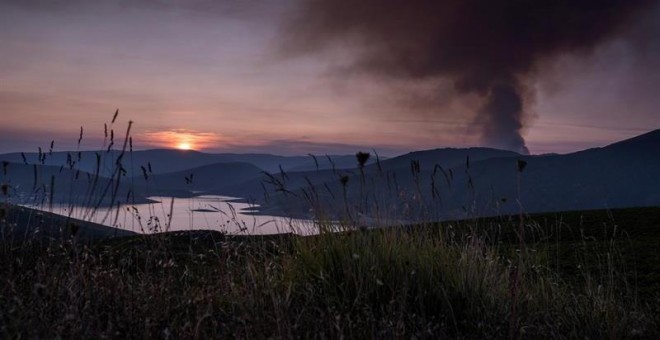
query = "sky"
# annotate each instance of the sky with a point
(244, 76)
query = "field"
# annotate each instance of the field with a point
(579, 274)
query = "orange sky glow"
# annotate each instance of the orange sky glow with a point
(181, 139)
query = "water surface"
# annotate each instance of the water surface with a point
(197, 213)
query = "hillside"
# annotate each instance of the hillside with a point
(620, 175)
(204, 179)
(162, 161)
(37, 184)
(431, 184)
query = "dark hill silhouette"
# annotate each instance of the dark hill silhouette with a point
(33, 184)
(447, 157)
(327, 179)
(648, 142)
(623, 174)
(449, 183)
(205, 179)
(170, 160)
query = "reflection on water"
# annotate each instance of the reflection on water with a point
(196, 213)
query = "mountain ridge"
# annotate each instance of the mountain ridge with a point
(442, 182)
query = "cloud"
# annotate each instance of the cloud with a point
(492, 49)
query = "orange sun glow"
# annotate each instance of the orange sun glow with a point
(181, 139)
(184, 146)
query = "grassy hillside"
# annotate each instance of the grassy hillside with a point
(579, 274)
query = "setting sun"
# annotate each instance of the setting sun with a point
(184, 146)
(182, 139)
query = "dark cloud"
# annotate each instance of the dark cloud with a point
(489, 48)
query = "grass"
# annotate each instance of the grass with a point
(586, 274)
(425, 282)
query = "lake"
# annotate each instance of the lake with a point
(197, 213)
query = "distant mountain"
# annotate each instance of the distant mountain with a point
(448, 157)
(207, 179)
(642, 144)
(423, 185)
(166, 171)
(328, 180)
(620, 175)
(337, 162)
(37, 184)
(292, 183)
(624, 174)
(162, 161)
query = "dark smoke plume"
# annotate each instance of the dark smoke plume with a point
(487, 47)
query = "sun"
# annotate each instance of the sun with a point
(184, 146)
(183, 140)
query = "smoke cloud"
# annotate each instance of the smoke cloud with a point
(489, 48)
